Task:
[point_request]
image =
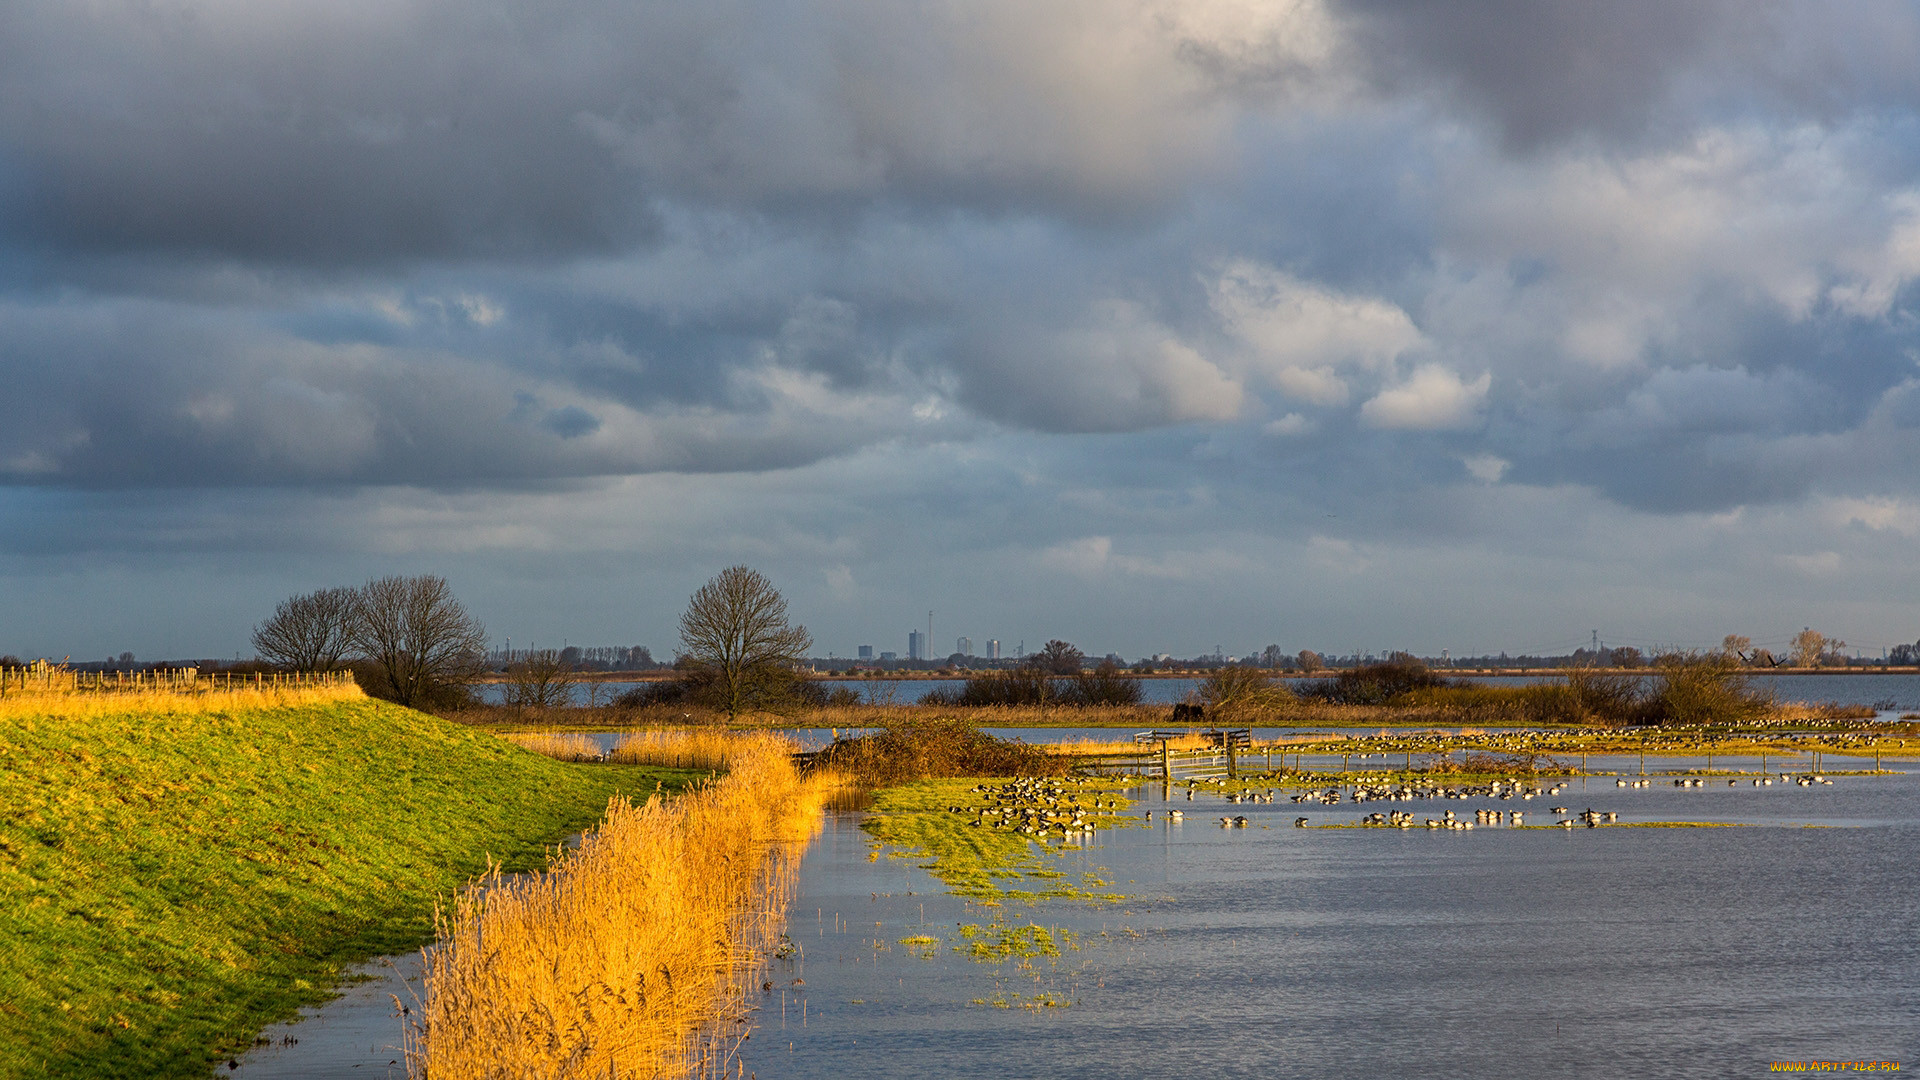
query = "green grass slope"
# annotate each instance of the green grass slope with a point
(171, 882)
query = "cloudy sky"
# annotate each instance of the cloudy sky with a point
(1149, 324)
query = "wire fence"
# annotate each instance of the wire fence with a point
(48, 678)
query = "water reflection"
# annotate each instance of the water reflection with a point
(1351, 952)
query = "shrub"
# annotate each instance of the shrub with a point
(918, 749)
(1104, 685)
(1375, 684)
(1016, 686)
(1234, 692)
(1600, 697)
(1702, 688)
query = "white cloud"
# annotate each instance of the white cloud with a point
(840, 581)
(1087, 556)
(1433, 398)
(1305, 339)
(1818, 564)
(1336, 556)
(1289, 425)
(1881, 271)
(1486, 468)
(1878, 514)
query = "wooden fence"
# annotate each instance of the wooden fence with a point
(44, 678)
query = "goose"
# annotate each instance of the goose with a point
(1299, 823)
(1556, 810)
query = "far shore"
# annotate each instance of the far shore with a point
(949, 674)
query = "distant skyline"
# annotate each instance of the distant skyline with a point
(1151, 326)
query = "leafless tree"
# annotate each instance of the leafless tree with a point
(1737, 646)
(1310, 661)
(737, 639)
(1058, 658)
(417, 636)
(540, 681)
(313, 632)
(1809, 645)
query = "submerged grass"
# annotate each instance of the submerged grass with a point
(631, 956)
(178, 872)
(980, 862)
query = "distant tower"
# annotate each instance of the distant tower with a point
(964, 646)
(916, 645)
(866, 652)
(993, 648)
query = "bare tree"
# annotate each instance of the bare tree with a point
(543, 680)
(1736, 646)
(1310, 661)
(1809, 645)
(417, 636)
(313, 632)
(737, 639)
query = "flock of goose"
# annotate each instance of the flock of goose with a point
(1042, 808)
(1038, 807)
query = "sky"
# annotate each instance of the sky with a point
(1152, 325)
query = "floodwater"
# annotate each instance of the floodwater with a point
(355, 1035)
(1372, 952)
(1386, 953)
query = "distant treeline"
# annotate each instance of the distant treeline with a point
(579, 658)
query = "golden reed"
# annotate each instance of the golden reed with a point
(633, 955)
(676, 749)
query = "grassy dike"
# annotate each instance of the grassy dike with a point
(175, 874)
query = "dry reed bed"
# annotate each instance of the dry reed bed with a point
(713, 751)
(68, 705)
(632, 956)
(560, 747)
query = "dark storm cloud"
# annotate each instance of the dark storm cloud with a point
(368, 133)
(1549, 68)
(422, 243)
(1637, 71)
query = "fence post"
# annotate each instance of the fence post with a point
(1166, 762)
(1233, 764)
